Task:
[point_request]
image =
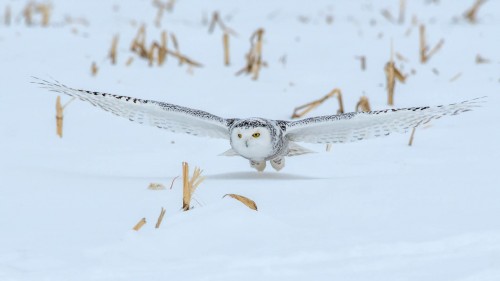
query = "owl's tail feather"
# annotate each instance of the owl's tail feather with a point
(295, 150)
(229, 152)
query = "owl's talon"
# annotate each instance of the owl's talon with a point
(278, 163)
(259, 166)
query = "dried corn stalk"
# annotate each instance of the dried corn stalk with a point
(387, 15)
(471, 14)
(94, 69)
(33, 8)
(248, 202)
(28, 13)
(151, 53)
(189, 185)
(138, 45)
(412, 136)
(481, 60)
(176, 48)
(158, 51)
(156, 186)
(216, 20)
(225, 40)
(129, 61)
(7, 16)
(159, 14)
(44, 10)
(60, 115)
(363, 105)
(402, 8)
(160, 218)
(362, 60)
(254, 55)
(392, 74)
(112, 50)
(424, 55)
(455, 77)
(140, 224)
(162, 51)
(304, 109)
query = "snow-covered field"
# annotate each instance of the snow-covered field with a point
(372, 210)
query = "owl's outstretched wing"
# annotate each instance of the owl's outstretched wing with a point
(355, 126)
(159, 114)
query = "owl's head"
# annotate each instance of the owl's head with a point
(252, 139)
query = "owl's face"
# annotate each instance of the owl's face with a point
(252, 143)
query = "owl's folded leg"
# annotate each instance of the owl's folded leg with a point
(278, 163)
(259, 166)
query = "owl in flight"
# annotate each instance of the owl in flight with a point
(258, 139)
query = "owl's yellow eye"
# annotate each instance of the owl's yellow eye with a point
(256, 135)
(239, 136)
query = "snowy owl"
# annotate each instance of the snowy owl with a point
(258, 139)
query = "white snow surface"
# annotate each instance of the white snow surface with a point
(371, 210)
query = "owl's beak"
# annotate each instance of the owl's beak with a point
(246, 143)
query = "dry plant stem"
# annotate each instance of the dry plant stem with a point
(225, 39)
(402, 8)
(424, 55)
(481, 60)
(471, 14)
(391, 82)
(139, 43)
(94, 69)
(129, 61)
(186, 190)
(59, 117)
(44, 9)
(435, 49)
(158, 52)
(159, 15)
(254, 56)
(7, 16)
(304, 109)
(184, 59)
(173, 181)
(363, 105)
(423, 45)
(328, 147)
(454, 78)
(362, 60)
(401, 57)
(140, 224)
(257, 61)
(412, 136)
(248, 202)
(176, 48)
(170, 5)
(392, 74)
(162, 51)
(387, 15)
(189, 185)
(112, 50)
(160, 218)
(28, 13)
(195, 180)
(156, 186)
(217, 20)
(151, 53)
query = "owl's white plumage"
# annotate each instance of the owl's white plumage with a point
(260, 139)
